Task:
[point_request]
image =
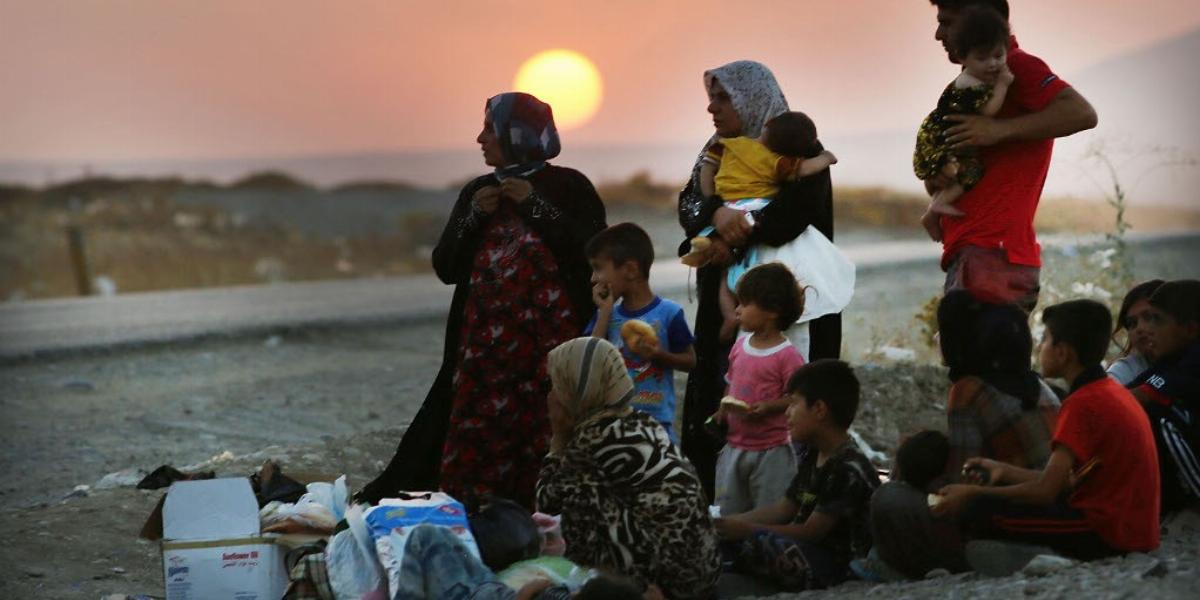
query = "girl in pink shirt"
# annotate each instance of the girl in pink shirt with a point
(757, 463)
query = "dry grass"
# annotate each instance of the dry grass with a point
(149, 244)
(136, 236)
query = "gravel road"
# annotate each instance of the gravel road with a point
(334, 400)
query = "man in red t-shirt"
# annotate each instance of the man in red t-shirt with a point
(992, 251)
(1099, 493)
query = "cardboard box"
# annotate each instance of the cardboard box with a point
(212, 547)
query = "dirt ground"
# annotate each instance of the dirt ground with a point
(334, 401)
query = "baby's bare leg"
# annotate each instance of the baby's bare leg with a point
(728, 304)
(932, 224)
(944, 199)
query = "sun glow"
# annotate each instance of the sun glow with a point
(567, 81)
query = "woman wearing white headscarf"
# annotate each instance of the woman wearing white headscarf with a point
(629, 500)
(743, 96)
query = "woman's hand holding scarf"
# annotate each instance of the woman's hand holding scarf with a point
(487, 199)
(516, 189)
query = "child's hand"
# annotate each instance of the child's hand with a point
(719, 416)
(648, 349)
(1006, 76)
(830, 156)
(533, 588)
(758, 412)
(731, 529)
(954, 499)
(602, 297)
(993, 468)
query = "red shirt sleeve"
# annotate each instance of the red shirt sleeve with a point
(1074, 429)
(1034, 84)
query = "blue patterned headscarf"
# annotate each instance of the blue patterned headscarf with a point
(525, 127)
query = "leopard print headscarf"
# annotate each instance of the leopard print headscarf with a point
(755, 93)
(590, 374)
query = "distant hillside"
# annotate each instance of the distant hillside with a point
(1146, 99)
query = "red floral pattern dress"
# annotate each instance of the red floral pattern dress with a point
(517, 311)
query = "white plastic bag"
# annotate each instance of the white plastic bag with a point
(820, 266)
(350, 560)
(330, 495)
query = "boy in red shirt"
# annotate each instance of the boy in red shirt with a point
(1099, 493)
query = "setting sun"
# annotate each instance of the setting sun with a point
(567, 81)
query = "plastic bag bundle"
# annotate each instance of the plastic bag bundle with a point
(353, 567)
(391, 522)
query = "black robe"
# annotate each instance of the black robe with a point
(565, 212)
(799, 204)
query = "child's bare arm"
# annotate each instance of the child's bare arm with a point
(813, 529)
(769, 407)
(602, 297)
(742, 526)
(708, 177)
(680, 361)
(818, 163)
(999, 91)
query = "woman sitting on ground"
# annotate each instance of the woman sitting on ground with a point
(630, 502)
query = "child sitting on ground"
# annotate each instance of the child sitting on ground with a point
(757, 462)
(746, 173)
(806, 540)
(979, 41)
(1099, 493)
(1170, 389)
(919, 467)
(650, 331)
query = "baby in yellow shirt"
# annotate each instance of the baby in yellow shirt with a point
(746, 173)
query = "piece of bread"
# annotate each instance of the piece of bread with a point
(638, 336)
(734, 404)
(934, 500)
(698, 255)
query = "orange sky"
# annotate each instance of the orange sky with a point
(127, 80)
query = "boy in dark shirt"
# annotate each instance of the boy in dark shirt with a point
(807, 540)
(1170, 390)
(1099, 493)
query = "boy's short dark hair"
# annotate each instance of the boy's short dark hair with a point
(1180, 299)
(1082, 325)
(622, 243)
(831, 381)
(792, 134)
(977, 27)
(609, 587)
(922, 458)
(1000, 6)
(772, 287)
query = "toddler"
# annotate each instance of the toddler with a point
(746, 173)
(979, 41)
(757, 462)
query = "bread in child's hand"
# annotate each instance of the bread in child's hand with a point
(732, 403)
(698, 255)
(934, 499)
(638, 336)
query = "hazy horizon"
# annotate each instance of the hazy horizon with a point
(379, 90)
